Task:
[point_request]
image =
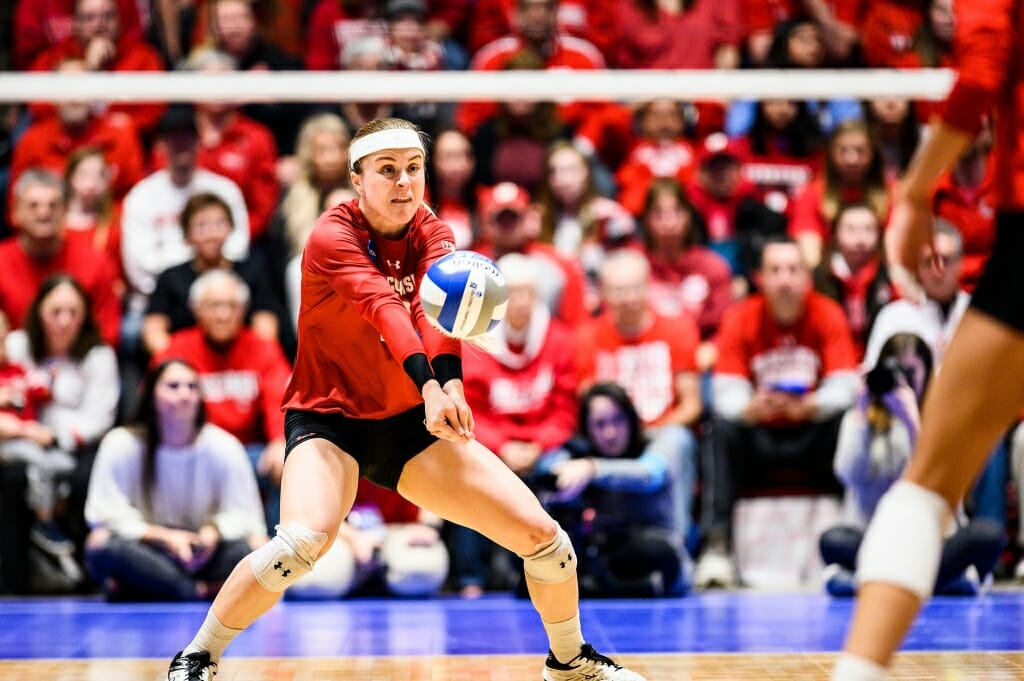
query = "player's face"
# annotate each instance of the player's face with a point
(176, 395)
(608, 426)
(390, 188)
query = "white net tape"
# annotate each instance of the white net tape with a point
(445, 86)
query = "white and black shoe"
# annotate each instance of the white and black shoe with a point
(192, 667)
(589, 665)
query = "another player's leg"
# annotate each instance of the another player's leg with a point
(318, 487)
(469, 485)
(970, 404)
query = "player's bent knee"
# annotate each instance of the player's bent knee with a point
(903, 544)
(553, 562)
(287, 557)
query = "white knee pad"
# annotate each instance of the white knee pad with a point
(553, 562)
(903, 544)
(287, 557)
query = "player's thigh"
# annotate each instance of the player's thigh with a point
(318, 486)
(469, 485)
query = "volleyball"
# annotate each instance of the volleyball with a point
(464, 294)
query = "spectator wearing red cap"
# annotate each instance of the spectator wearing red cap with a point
(509, 224)
(537, 32)
(41, 24)
(99, 41)
(48, 142)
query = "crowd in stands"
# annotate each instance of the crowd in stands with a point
(700, 317)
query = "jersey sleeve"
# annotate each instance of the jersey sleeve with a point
(337, 255)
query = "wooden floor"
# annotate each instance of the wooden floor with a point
(683, 667)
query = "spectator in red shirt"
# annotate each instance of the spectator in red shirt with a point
(908, 34)
(704, 34)
(92, 215)
(40, 249)
(662, 151)
(41, 24)
(963, 197)
(785, 374)
(242, 375)
(838, 20)
(782, 151)
(852, 273)
(451, 188)
(896, 127)
(99, 41)
(686, 276)
(335, 23)
(48, 142)
(591, 20)
(854, 171)
(236, 147)
(536, 31)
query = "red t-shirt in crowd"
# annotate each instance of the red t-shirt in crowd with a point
(806, 210)
(41, 24)
(989, 49)
(971, 211)
(591, 20)
(330, 27)
(241, 385)
(645, 365)
(360, 316)
(675, 40)
(697, 283)
(752, 345)
(649, 160)
(21, 276)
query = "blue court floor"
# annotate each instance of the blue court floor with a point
(714, 622)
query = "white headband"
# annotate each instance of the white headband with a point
(395, 138)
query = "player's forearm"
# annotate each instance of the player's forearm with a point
(943, 147)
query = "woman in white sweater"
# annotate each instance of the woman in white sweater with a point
(173, 502)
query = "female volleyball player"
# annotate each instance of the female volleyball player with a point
(378, 392)
(981, 386)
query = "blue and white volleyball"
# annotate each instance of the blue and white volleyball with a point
(464, 294)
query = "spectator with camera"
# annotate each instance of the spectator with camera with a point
(876, 439)
(622, 496)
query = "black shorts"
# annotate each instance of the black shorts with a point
(1000, 291)
(381, 447)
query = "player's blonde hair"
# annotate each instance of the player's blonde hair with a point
(380, 124)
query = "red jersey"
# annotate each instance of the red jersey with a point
(132, 55)
(246, 154)
(21, 276)
(241, 385)
(48, 144)
(360, 316)
(529, 396)
(645, 365)
(989, 48)
(751, 344)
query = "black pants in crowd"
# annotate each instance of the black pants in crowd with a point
(742, 459)
(142, 572)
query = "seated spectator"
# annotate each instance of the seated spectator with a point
(875, 442)
(333, 25)
(41, 24)
(386, 544)
(24, 439)
(853, 273)
(800, 43)
(234, 30)
(523, 386)
(935, 318)
(686, 277)
(157, 534)
(510, 225)
(636, 492)
(151, 237)
(661, 151)
(98, 39)
(450, 186)
(590, 20)
(784, 376)
(908, 35)
(783, 151)
(511, 146)
(48, 142)
(963, 199)
(234, 146)
(854, 172)
(206, 222)
(61, 349)
(92, 215)
(243, 376)
(575, 218)
(736, 220)
(837, 22)
(535, 30)
(41, 249)
(411, 48)
(896, 127)
(705, 34)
